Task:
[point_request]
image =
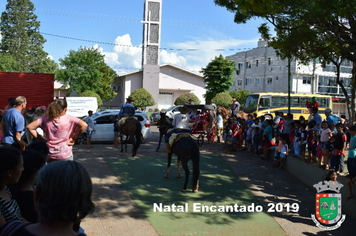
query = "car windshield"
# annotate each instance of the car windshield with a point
(251, 103)
(171, 108)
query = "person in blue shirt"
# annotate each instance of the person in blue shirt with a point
(13, 124)
(127, 109)
(316, 117)
(331, 119)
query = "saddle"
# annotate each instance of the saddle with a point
(123, 120)
(175, 137)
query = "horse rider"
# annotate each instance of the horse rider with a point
(127, 109)
(180, 125)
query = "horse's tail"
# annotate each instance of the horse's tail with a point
(138, 135)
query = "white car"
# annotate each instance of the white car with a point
(104, 126)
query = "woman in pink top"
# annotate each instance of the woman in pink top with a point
(61, 130)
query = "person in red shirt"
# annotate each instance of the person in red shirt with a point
(340, 142)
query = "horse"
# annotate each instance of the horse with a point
(164, 124)
(132, 129)
(242, 115)
(186, 149)
(30, 116)
(223, 111)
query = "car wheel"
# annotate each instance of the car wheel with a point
(82, 139)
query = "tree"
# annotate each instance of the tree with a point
(8, 63)
(223, 99)
(240, 96)
(21, 38)
(92, 94)
(306, 30)
(183, 99)
(142, 99)
(86, 70)
(218, 76)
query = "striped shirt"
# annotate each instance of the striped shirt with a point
(10, 209)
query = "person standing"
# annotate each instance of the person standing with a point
(213, 104)
(235, 107)
(331, 119)
(13, 124)
(90, 121)
(190, 101)
(220, 125)
(316, 117)
(61, 130)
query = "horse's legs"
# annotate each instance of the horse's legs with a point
(160, 139)
(127, 138)
(122, 143)
(178, 165)
(133, 141)
(186, 170)
(168, 164)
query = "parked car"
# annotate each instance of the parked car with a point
(172, 111)
(155, 116)
(104, 126)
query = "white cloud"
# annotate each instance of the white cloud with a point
(192, 55)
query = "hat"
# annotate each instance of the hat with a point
(130, 99)
(328, 110)
(183, 109)
(90, 111)
(190, 99)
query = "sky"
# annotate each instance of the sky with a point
(192, 32)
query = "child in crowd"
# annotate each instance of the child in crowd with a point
(291, 138)
(229, 139)
(256, 139)
(268, 144)
(220, 125)
(302, 119)
(319, 153)
(351, 162)
(235, 132)
(326, 134)
(33, 161)
(297, 139)
(303, 140)
(340, 142)
(11, 167)
(311, 141)
(279, 150)
(249, 138)
(284, 153)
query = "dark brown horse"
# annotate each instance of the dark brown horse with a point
(132, 129)
(164, 124)
(186, 149)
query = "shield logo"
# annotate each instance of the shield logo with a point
(328, 208)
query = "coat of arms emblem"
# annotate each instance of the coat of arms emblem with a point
(328, 205)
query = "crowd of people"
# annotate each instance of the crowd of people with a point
(43, 191)
(322, 142)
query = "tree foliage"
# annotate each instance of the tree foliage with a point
(223, 99)
(218, 76)
(21, 38)
(8, 63)
(92, 94)
(306, 30)
(142, 99)
(240, 96)
(183, 99)
(86, 70)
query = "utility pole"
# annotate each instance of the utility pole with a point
(289, 84)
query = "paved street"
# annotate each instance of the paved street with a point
(117, 214)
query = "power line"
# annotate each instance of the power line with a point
(161, 48)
